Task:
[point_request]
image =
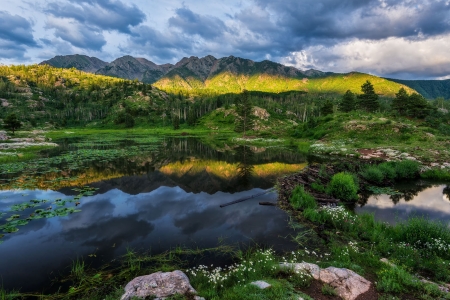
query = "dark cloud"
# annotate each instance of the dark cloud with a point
(294, 25)
(16, 29)
(78, 35)
(11, 50)
(163, 46)
(104, 14)
(188, 22)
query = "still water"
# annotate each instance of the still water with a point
(417, 199)
(165, 197)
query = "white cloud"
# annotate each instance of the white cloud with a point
(389, 57)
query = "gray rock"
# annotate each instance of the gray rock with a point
(261, 284)
(159, 285)
(312, 269)
(3, 136)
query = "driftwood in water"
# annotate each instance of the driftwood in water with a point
(247, 198)
(268, 203)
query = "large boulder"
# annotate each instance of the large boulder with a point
(159, 285)
(348, 284)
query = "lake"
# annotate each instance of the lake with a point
(144, 194)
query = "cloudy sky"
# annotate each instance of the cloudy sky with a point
(407, 39)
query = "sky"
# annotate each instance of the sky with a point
(406, 39)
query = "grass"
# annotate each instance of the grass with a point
(436, 174)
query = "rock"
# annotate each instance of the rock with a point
(386, 261)
(261, 284)
(159, 285)
(261, 113)
(347, 283)
(3, 136)
(312, 269)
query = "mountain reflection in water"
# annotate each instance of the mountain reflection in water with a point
(171, 202)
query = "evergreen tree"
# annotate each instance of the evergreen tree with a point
(368, 100)
(12, 123)
(244, 110)
(348, 102)
(400, 102)
(176, 122)
(327, 108)
(418, 107)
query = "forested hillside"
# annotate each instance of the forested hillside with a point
(430, 89)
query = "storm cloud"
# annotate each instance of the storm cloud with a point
(103, 14)
(401, 38)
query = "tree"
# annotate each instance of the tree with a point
(244, 110)
(12, 123)
(176, 122)
(368, 100)
(418, 107)
(348, 102)
(129, 121)
(400, 102)
(327, 108)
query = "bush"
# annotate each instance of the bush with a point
(373, 174)
(388, 170)
(343, 187)
(318, 187)
(436, 174)
(423, 234)
(407, 169)
(396, 280)
(302, 199)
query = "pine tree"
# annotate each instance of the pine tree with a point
(176, 122)
(418, 107)
(348, 102)
(327, 108)
(368, 100)
(12, 123)
(244, 110)
(400, 102)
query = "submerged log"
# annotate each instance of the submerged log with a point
(247, 198)
(268, 203)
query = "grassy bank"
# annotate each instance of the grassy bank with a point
(413, 250)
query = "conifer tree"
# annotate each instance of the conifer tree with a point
(400, 102)
(327, 108)
(12, 123)
(244, 110)
(348, 102)
(368, 100)
(418, 107)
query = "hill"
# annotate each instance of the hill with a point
(430, 89)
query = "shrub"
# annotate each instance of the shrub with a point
(421, 233)
(343, 187)
(388, 170)
(396, 280)
(436, 174)
(318, 187)
(373, 174)
(407, 169)
(302, 199)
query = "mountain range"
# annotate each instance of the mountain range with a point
(129, 67)
(232, 74)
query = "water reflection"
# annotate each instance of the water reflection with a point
(423, 199)
(155, 201)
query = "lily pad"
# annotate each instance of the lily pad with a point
(13, 217)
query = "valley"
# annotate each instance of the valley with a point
(119, 170)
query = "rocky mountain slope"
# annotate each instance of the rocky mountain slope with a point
(80, 62)
(129, 67)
